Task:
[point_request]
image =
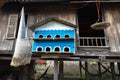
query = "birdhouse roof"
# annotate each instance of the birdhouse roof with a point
(36, 25)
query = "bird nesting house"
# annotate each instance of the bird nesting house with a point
(53, 36)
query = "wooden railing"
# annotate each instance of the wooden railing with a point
(92, 41)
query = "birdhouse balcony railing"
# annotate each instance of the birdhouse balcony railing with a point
(93, 42)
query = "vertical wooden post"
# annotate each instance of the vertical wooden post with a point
(21, 73)
(80, 68)
(61, 70)
(31, 69)
(86, 71)
(99, 68)
(55, 69)
(113, 70)
(119, 68)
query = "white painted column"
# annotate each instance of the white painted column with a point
(56, 71)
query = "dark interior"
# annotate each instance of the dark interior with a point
(57, 36)
(39, 49)
(48, 49)
(66, 49)
(40, 36)
(57, 49)
(87, 16)
(48, 36)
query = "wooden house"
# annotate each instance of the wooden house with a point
(90, 45)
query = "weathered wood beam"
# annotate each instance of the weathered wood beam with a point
(61, 75)
(80, 68)
(86, 71)
(113, 71)
(99, 68)
(56, 70)
(81, 1)
(119, 68)
(31, 70)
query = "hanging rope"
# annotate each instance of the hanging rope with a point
(98, 8)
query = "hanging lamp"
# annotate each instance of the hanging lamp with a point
(99, 25)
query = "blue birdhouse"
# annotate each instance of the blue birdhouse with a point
(53, 36)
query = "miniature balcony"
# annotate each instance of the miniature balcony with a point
(93, 42)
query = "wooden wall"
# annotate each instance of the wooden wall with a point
(4, 44)
(44, 12)
(34, 13)
(112, 15)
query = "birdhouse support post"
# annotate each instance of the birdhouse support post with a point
(56, 71)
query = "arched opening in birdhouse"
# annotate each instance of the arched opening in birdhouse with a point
(67, 36)
(66, 49)
(40, 36)
(39, 49)
(57, 49)
(57, 36)
(48, 49)
(49, 36)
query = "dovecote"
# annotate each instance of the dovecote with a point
(53, 36)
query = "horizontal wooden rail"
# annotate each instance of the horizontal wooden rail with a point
(92, 41)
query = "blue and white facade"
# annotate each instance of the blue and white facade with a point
(54, 36)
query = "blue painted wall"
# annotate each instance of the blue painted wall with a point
(53, 43)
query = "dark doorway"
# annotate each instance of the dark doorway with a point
(86, 17)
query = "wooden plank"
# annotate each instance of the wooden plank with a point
(86, 71)
(31, 70)
(113, 70)
(112, 15)
(99, 70)
(80, 68)
(41, 13)
(61, 74)
(64, 13)
(4, 44)
(118, 68)
(56, 70)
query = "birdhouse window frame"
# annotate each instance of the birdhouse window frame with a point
(49, 48)
(58, 48)
(57, 36)
(67, 48)
(40, 47)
